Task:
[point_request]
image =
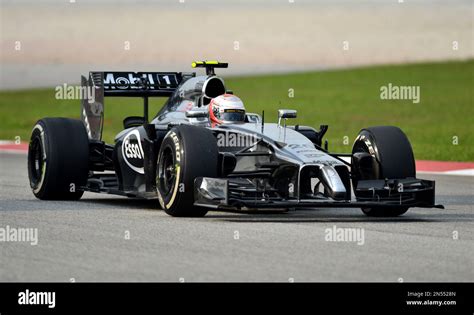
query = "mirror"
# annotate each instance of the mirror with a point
(286, 113)
(253, 118)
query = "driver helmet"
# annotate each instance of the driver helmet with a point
(226, 108)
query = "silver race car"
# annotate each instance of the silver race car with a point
(203, 151)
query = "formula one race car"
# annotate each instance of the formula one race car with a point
(197, 154)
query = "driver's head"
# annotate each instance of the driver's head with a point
(226, 108)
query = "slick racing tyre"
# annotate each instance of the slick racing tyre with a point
(186, 152)
(393, 159)
(58, 159)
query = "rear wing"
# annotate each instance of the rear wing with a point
(123, 84)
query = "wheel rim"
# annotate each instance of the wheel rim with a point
(167, 171)
(361, 173)
(36, 161)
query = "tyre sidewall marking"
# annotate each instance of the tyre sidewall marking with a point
(178, 156)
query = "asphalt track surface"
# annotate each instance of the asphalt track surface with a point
(87, 240)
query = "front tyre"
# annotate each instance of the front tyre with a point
(391, 156)
(186, 152)
(58, 159)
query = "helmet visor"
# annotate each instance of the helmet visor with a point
(233, 115)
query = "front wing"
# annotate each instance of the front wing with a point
(225, 193)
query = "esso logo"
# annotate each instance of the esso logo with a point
(132, 151)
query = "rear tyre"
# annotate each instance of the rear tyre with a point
(58, 159)
(392, 157)
(186, 152)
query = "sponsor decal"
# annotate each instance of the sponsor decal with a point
(132, 151)
(297, 146)
(131, 80)
(327, 162)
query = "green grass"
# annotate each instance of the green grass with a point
(346, 100)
